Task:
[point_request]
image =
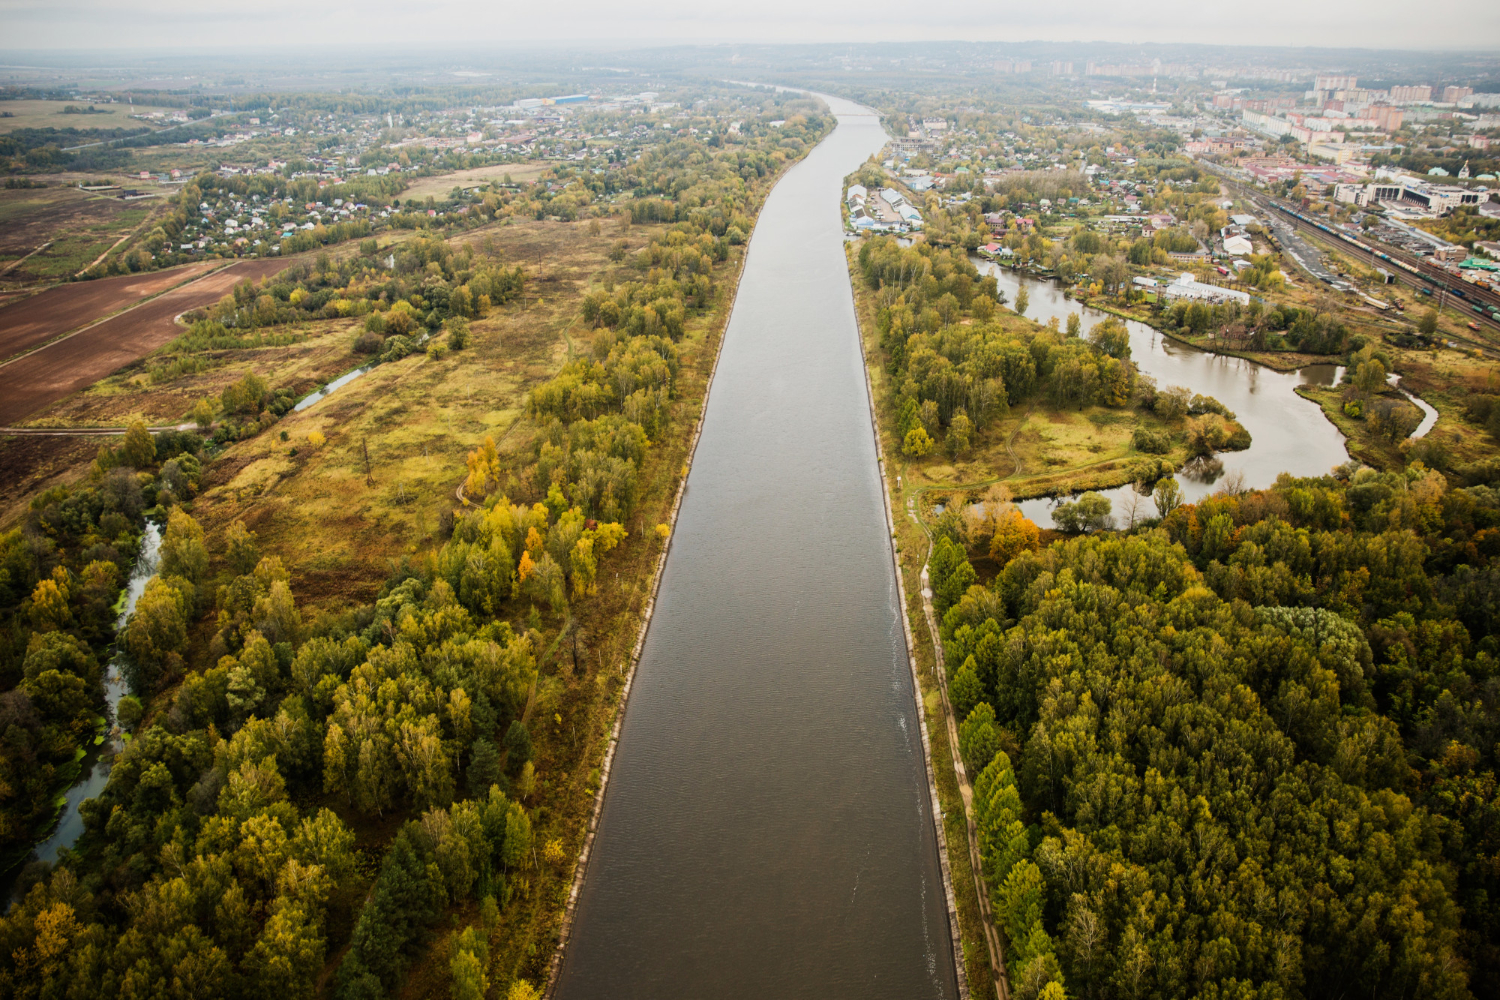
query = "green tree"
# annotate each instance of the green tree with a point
(1369, 377)
(966, 690)
(128, 711)
(242, 552)
(182, 550)
(1427, 326)
(1109, 337)
(139, 447)
(484, 767)
(1167, 495)
(469, 980)
(978, 740)
(517, 849)
(156, 633)
(1090, 512)
(517, 745)
(287, 956)
(1003, 841)
(959, 432)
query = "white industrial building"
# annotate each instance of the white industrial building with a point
(1185, 286)
(1410, 194)
(1238, 246)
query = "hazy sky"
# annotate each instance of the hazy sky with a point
(66, 24)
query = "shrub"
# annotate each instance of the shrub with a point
(396, 348)
(1151, 441)
(368, 342)
(458, 334)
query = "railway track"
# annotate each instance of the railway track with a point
(1410, 271)
(1415, 273)
(1411, 280)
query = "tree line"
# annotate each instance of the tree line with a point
(958, 362)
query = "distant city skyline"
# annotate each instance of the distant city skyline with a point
(181, 24)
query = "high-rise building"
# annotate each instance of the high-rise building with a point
(1335, 83)
(1411, 94)
(1387, 118)
(1452, 95)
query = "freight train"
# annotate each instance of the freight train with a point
(1393, 261)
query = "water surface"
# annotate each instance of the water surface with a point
(1288, 433)
(100, 757)
(767, 831)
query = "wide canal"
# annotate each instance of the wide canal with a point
(767, 828)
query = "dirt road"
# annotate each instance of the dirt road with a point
(53, 372)
(41, 317)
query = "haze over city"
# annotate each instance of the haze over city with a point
(221, 26)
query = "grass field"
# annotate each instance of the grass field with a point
(49, 114)
(439, 185)
(75, 226)
(420, 417)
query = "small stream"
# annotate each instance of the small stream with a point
(97, 763)
(1429, 415)
(346, 378)
(332, 387)
(1288, 433)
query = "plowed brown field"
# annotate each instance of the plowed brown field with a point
(55, 371)
(38, 319)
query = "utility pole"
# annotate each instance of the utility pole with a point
(369, 478)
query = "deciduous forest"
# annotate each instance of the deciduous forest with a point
(1246, 750)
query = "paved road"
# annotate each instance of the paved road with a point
(1303, 253)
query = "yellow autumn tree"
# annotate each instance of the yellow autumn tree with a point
(1014, 534)
(484, 470)
(49, 604)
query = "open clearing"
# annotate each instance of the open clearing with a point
(77, 225)
(49, 374)
(49, 114)
(420, 418)
(38, 319)
(440, 185)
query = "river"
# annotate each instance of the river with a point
(97, 764)
(1288, 433)
(767, 829)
